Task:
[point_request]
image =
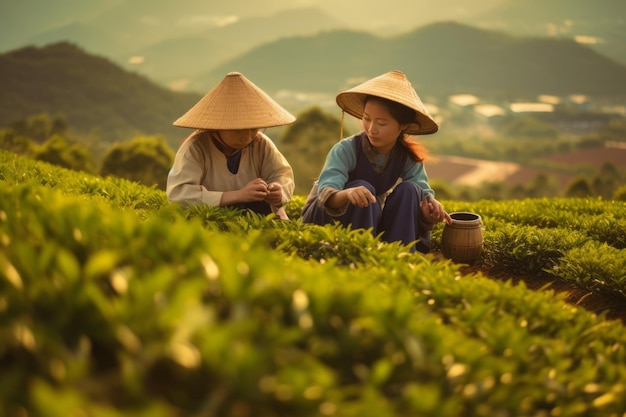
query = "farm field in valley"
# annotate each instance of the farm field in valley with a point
(472, 172)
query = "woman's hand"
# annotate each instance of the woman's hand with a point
(255, 190)
(360, 196)
(433, 211)
(275, 194)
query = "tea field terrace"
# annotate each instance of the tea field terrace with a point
(115, 302)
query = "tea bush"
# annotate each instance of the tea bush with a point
(114, 302)
(543, 236)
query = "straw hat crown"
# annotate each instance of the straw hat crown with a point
(394, 86)
(235, 103)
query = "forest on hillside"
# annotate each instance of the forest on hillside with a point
(98, 99)
(110, 103)
(147, 159)
(81, 111)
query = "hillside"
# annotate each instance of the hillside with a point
(317, 63)
(485, 61)
(443, 58)
(100, 98)
(116, 302)
(95, 95)
(599, 24)
(138, 22)
(141, 23)
(172, 60)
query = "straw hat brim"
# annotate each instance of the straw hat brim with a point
(393, 86)
(235, 103)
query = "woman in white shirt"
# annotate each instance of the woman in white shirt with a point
(228, 161)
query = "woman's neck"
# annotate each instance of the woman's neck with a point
(221, 145)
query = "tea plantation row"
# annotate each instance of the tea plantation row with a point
(114, 302)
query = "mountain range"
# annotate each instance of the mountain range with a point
(171, 41)
(441, 59)
(95, 96)
(99, 96)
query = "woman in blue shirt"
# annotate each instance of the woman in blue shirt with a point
(376, 179)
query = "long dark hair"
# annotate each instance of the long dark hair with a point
(403, 115)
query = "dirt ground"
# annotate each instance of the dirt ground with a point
(614, 308)
(472, 171)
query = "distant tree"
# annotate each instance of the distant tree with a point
(590, 142)
(514, 153)
(468, 194)
(306, 142)
(58, 151)
(541, 186)
(579, 187)
(40, 127)
(528, 127)
(518, 191)
(606, 181)
(492, 190)
(620, 194)
(443, 191)
(313, 129)
(14, 142)
(146, 160)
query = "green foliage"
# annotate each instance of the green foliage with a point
(528, 127)
(13, 142)
(594, 267)
(40, 127)
(312, 129)
(606, 180)
(306, 142)
(89, 92)
(443, 191)
(620, 194)
(146, 160)
(579, 187)
(118, 192)
(114, 302)
(56, 150)
(542, 236)
(48, 90)
(532, 153)
(528, 249)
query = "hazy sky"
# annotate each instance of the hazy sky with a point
(24, 18)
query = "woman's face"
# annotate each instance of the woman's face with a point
(238, 139)
(381, 128)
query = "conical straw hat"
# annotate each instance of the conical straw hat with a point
(235, 103)
(394, 86)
